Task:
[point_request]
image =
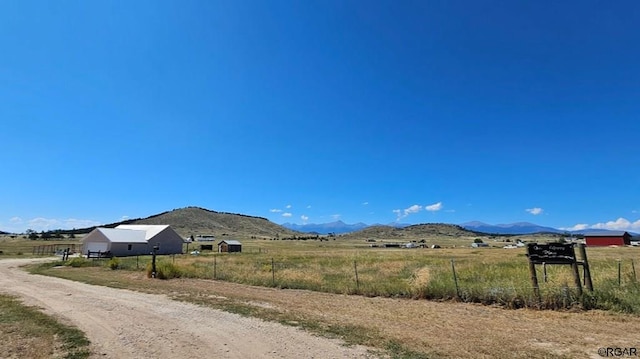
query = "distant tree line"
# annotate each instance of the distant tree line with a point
(49, 235)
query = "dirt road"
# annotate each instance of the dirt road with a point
(126, 324)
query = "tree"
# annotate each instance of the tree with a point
(31, 234)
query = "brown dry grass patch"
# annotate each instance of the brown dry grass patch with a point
(436, 329)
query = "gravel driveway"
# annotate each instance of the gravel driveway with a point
(126, 324)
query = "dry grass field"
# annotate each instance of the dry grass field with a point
(405, 328)
(313, 283)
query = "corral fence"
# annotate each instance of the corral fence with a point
(58, 249)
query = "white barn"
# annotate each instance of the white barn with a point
(132, 240)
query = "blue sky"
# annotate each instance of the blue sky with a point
(305, 111)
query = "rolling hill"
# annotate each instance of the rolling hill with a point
(413, 232)
(193, 221)
(337, 227)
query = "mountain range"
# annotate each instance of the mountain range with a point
(512, 228)
(337, 227)
(193, 221)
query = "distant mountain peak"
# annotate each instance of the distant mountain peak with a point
(511, 228)
(473, 223)
(518, 224)
(338, 227)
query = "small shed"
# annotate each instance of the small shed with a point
(229, 246)
(610, 238)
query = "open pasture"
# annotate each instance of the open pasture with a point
(456, 271)
(381, 314)
(442, 327)
(479, 275)
(20, 246)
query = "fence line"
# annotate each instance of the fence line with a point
(47, 249)
(430, 278)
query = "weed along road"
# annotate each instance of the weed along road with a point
(127, 324)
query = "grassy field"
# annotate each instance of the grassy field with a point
(491, 275)
(28, 333)
(20, 246)
(400, 327)
(455, 272)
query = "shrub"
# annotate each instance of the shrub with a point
(164, 270)
(78, 262)
(114, 263)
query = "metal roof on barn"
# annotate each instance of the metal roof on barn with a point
(123, 235)
(607, 234)
(233, 242)
(150, 230)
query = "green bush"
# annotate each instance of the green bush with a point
(165, 270)
(79, 262)
(113, 263)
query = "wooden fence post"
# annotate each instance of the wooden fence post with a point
(534, 276)
(585, 267)
(576, 277)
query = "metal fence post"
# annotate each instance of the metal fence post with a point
(355, 268)
(455, 278)
(273, 273)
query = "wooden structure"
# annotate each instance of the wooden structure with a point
(48, 249)
(611, 238)
(133, 240)
(99, 254)
(558, 253)
(229, 246)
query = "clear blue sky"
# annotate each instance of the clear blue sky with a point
(312, 111)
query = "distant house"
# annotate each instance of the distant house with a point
(205, 237)
(229, 246)
(611, 238)
(132, 240)
(478, 245)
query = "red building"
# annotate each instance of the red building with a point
(607, 239)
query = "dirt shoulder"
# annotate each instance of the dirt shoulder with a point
(447, 329)
(127, 324)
